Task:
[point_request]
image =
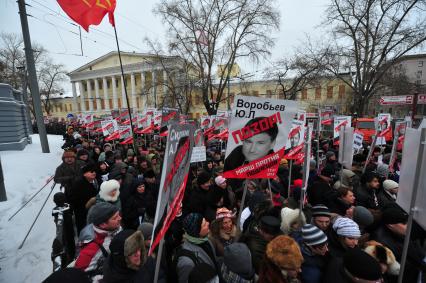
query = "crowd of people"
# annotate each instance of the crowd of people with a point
(349, 230)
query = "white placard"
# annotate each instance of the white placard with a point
(198, 154)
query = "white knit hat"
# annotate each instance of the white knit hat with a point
(346, 227)
(389, 185)
(288, 217)
(107, 187)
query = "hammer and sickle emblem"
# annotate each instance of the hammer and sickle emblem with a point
(106, 4)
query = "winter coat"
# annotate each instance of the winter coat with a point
(66, 174)
(185, 264)
(313, 266)
(385, 198)
(395, 243)
(94, 243)
(367, 198)
(203, 202)
(220, 239)
(81, 192)
(320, 193)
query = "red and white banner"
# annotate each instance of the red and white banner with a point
(396, 100)
(341, 121)
(258, 133)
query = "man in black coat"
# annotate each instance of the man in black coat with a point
(68, 171)
(202, 199)
(321, 191)
(391, 233)
(82, 191)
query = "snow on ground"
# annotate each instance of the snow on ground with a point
(25, 172)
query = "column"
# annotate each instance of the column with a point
(114, 93)
(82, 102)
(143, 96)
(154, 88)
(106, 95)
(133, 86)
(89, 95)
(98, 98)
(74, 98)
(123, 94)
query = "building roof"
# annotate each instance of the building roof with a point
(115, 53)
(412, 56)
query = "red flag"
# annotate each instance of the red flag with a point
(89, 12)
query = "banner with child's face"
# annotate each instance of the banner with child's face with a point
(258, 134)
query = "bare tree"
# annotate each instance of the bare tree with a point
(295, 74)
(209, 33)
(50, 78)
(181, 80)
(369, 36)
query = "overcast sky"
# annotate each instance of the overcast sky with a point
(50, 27)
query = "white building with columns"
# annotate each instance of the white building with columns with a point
(98, 86)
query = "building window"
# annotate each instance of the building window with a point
(269, 93)
(108, 84)
(304, 94)
(110, 103)
(420, 64)
(255, 93)
(341, 91)
(330, 92)
(85, 87)
(70, 108)
(318, 92)
(419, 74)
(66, 108)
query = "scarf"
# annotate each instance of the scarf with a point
(195, 240)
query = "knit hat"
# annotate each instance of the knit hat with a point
(320, 210)
(203, 178)
(346, 227)
(383, 255)
(382, 170)
(237, 258)
(394, 215)
(146, 229)
(270, 225)
(223, 213)
(219, 180)
(107, 187)
(362, 216)
(68, 275)
(101, 213)
(192, 224)
(89, 168)
(368, 270)
(68, 154)
(290, 216)
(389, 185)
(107, 144)
(149, 174)
(130, 152)
(312, 235)
(285, 253)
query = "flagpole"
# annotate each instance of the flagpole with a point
(125, 87)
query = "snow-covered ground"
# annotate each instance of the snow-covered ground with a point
(25, 172)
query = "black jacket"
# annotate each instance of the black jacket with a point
(367, 198)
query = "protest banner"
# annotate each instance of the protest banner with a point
(358, 138)
(109, 126)
(144, 121)
(125, 131)
(174, 176)
(258, 133)
(295, 141)
(205, 122)
(346, 147)
(383, 126)
(340, 121)
(199, 154)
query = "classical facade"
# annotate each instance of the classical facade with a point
(98, 87)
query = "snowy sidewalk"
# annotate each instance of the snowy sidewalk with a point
(25, 172)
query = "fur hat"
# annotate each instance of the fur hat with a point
(290, 216)
(101, 213)
(346, 227)
(284, 252)
(389, 185)
(124, 244)
(107, 187)
(68, 154)
(383, 255)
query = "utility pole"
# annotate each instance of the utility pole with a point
(33, 77)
